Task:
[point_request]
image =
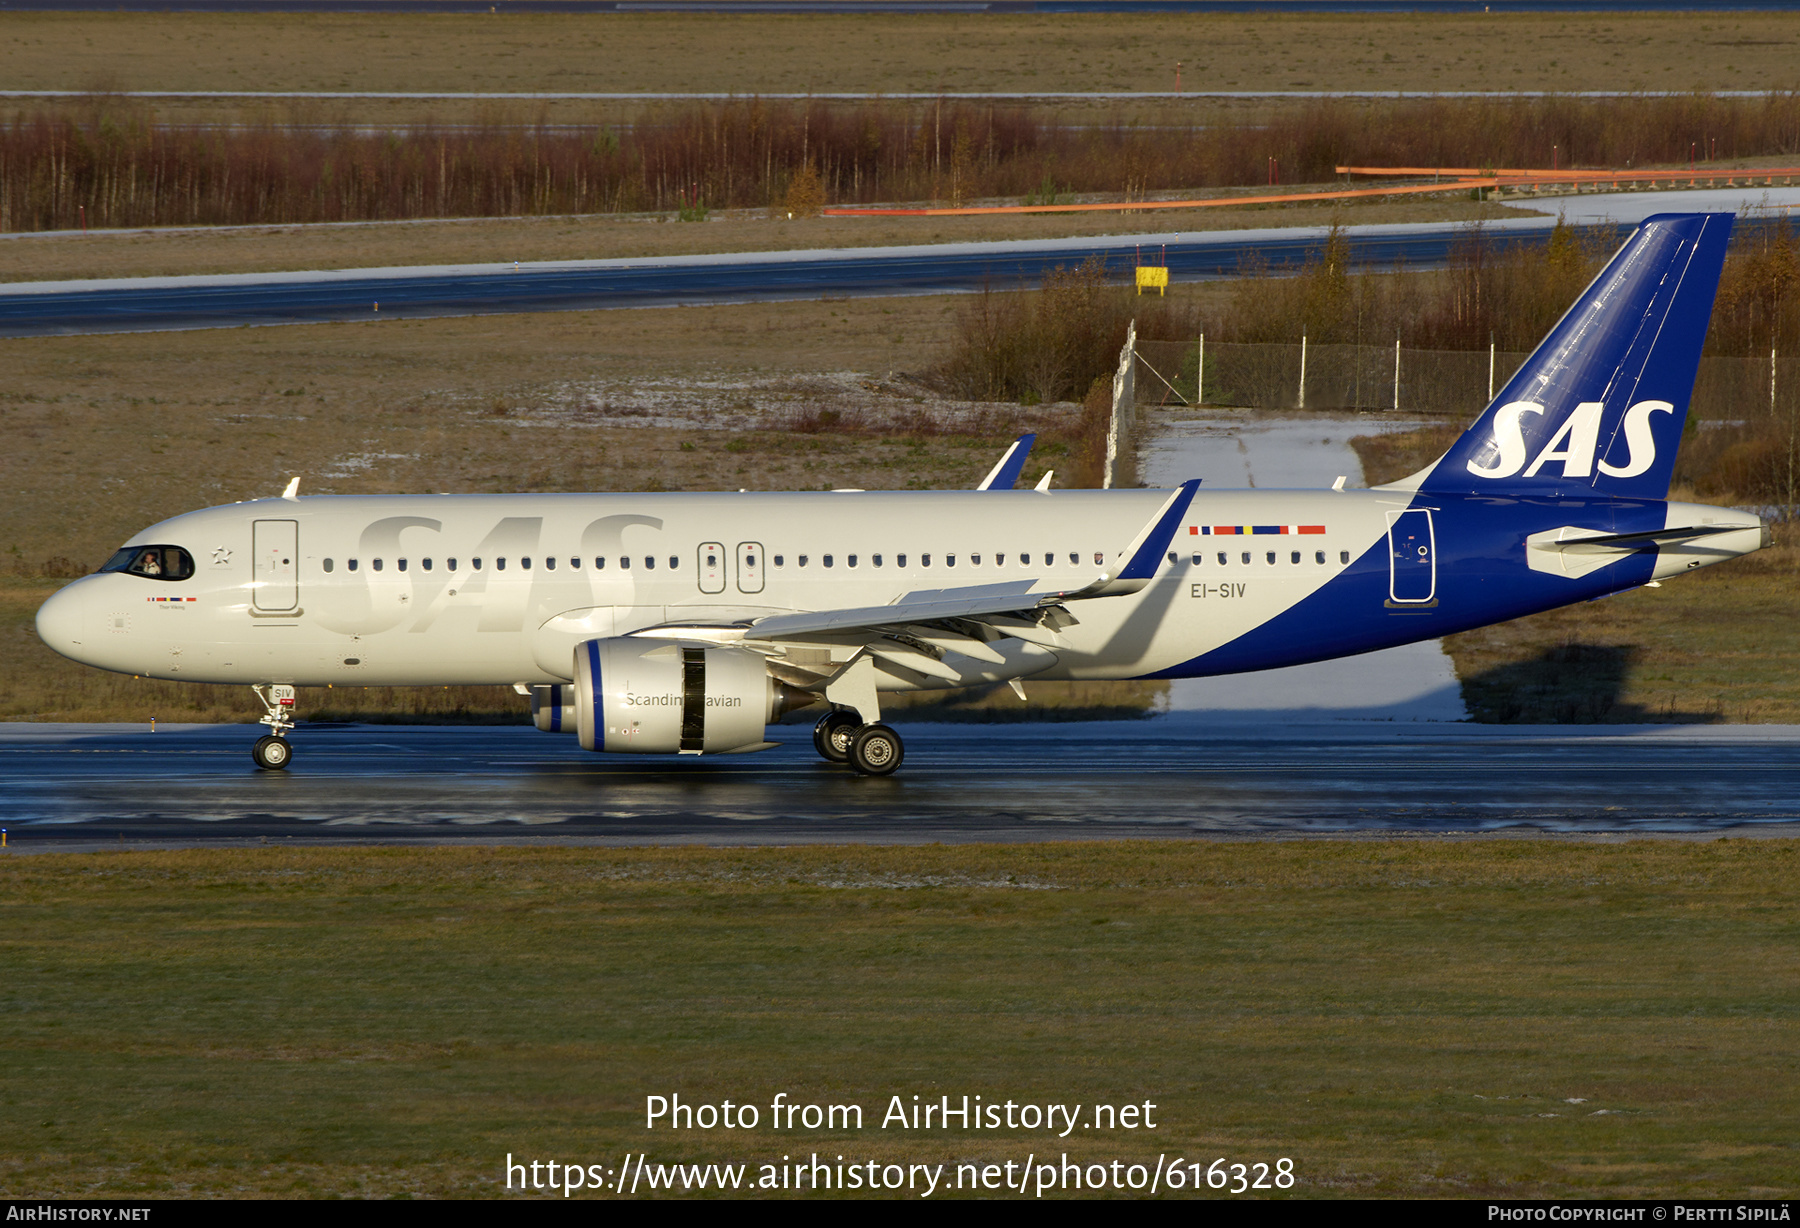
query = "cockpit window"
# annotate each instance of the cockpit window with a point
(155, 562)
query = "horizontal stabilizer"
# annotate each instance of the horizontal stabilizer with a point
(1576, 552)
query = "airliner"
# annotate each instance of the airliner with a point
(687, 623)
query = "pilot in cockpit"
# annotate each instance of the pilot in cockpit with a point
(149, 564)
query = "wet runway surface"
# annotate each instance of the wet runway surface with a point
(1168, 777)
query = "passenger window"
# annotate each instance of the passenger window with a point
(1223, 558)
(425, 563)
(1025, 559)
(400, 563)
(712, 560)
(499, 563)
(1198, 558)
(450, 563)
(1319, 556)
(1074, 559)
(900, 560)
(1296, 557)
(329, 565)
(999, 560)
(924, 560)
(1246, 556)
(828, 560)
(851, 560)
(649, 562)
(599, 562)
(674, 563)
(574, 563)
(803, 560)
(549, 562)
(377, 564)
(624, 562)
(974, 560)
(525, 563)
(780, 561)
(949, 560)
(475, 563)
(1271, 558)
(1173, 557)
(1344, 556)
(1099, 559)
(877, 559)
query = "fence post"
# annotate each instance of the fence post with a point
(1124, 404)
(1396, 374)
(1200, 379)
(1302, 404)
(1793, 438)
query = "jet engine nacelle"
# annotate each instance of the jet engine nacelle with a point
(647, 697)
(553, 707)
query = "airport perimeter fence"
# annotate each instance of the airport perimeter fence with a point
(1736, 392)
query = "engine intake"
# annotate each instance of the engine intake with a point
(648, 697)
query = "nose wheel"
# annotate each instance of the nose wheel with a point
(271, 752)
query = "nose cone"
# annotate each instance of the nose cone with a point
(62, 622)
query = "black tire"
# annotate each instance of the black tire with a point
(831, 736)
(271, 753)
(876, 750)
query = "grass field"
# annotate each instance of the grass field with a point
(640, 53)
(1442, 1018)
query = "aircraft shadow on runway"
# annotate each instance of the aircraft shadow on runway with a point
(1572, 684)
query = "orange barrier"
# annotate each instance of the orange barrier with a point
(1455, 179)
(1210, 202)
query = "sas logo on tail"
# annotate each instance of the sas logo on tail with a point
(1575, 444)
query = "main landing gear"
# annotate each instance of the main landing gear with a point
(873, 750)
(271, 751)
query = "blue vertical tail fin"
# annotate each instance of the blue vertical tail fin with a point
(1599, 407)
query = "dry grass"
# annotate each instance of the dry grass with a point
(109, 434)
(1424, 1019)
(913, 53)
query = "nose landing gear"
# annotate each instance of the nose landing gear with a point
(271, 751)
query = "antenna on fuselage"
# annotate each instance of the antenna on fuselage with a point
(293, 489)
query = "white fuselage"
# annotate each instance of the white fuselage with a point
(481, 589)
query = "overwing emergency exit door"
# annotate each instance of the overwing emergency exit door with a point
(750, 567)
(712, 567)
(1412, 557)
(275, 563)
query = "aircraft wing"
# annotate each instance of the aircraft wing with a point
(1021, 597)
